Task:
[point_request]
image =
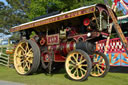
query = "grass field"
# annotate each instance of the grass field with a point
(9, 74)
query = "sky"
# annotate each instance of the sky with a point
(4, 1)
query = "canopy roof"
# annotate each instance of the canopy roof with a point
(55, 18)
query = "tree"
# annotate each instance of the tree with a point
(12, 14)
(41, 7)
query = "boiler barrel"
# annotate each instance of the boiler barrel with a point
(69, 46)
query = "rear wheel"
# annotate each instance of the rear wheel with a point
(100, 65)
(47, 61)
(78, 65)
(26, 57)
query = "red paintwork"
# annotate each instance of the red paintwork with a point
(59, 58)
(63, 48)
(42, 41)
(106, 34)
(86, 21)
(52, 39)
(77, 37)
(116, 1)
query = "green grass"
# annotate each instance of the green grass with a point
(9, 74)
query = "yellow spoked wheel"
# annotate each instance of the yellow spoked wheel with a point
(100, 65)
(26, 57)
(78, 65)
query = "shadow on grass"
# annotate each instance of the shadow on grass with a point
(118, 69)
(54, 72)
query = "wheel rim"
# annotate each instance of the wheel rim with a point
(76, 65)
(23, 58)
(99, 65)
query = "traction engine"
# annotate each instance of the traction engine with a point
(65, 39)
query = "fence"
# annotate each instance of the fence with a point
(116, 53)
(5, 59)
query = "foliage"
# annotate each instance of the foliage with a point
(12, 14)
(41, 7)
(15, 36)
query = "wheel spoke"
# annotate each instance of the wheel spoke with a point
(74, 58)
(29, 51)
(98, 72)
(30, 60)
(83, 69)
(84, 65)
(103, 61)
(81, 58)
(28, 65)
(82, 61)
(74, 72)
(81, 72)
(77, 72)
(18, 59)
(94, 69)
(19, 54)
(72, 65)
(72, 62)
(72, 68)
(100, 69)
(97, 56)
(29, 56)
(27, 47)
(24, 65)
(100, 59)
(102, 66)
(22, 61)
(22, 48)
(77, 56)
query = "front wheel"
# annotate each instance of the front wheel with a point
(100, 66)
(78, 65)
(26, 57)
